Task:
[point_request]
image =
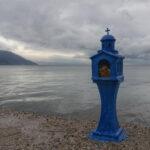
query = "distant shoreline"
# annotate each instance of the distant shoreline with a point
(10, 58)
(19, 65)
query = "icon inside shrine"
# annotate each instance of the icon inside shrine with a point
(104, 68)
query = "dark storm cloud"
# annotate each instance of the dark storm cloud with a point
(70, 26)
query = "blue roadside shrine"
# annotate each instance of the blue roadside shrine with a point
(107, 73)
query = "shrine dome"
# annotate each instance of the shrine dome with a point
(108, 37)
(108, 42)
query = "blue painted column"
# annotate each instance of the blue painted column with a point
(107, 73)
(108, 128)
(108, 118)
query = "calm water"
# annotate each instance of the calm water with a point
(63, 89)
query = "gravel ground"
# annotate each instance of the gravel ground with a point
(29, 131)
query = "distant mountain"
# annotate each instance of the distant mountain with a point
(9, 58)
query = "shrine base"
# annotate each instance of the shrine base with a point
(118, 136)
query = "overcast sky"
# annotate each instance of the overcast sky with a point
(70, 30)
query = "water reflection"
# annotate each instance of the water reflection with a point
(64, 89)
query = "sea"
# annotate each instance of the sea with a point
(69, 90)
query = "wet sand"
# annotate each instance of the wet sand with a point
(30, 131)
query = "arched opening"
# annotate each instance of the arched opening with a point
(109, 45)
(104, 68)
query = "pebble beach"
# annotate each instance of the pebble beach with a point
(31, 131)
